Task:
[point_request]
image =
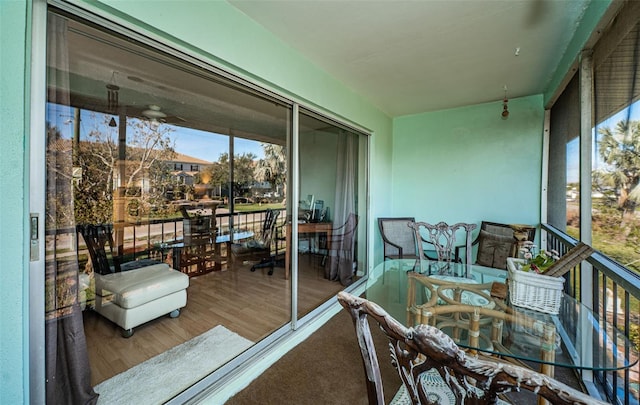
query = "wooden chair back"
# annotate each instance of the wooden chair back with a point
(345, 234)
(442, 237)
(99, 241)
(416, 350)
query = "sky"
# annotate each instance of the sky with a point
(573, 147)
(195, 143)
(209, 146)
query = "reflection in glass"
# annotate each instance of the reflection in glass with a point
(182, 163)
(332, 218)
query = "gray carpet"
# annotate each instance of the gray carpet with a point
(324, 369)
(327, 369)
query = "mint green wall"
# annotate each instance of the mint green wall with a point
(469, 165)
(317, 162)
(13, 203)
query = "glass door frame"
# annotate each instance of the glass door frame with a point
(37, 187)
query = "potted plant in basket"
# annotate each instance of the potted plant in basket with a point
(529, 287)
(537, 263)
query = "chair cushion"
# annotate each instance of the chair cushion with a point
(435, 388)
(493, 250)
(136, 287)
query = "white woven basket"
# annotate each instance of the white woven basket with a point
(532, 290)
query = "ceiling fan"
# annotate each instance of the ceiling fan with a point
(155, 114)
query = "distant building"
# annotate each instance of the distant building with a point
(186, 168)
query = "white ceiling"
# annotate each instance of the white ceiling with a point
(409, 57)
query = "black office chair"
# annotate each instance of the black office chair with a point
(258, 248)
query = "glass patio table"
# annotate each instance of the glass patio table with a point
(580, 339)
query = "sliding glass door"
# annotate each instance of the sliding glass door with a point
(331, 230)
(187, 168)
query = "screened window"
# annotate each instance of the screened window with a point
(616, 159)
(615, 139)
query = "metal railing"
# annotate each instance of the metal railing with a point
(143, 236)
(616, 298)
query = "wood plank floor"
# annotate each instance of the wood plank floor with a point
(251, 304)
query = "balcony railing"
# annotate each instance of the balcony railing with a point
(140, 238)
(614, 296)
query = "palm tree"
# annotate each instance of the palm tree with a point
(273, 168)
(620, 150)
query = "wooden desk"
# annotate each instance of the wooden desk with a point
(306, 227)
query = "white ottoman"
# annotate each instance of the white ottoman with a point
(131, 298)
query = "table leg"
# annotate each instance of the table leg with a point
(217, 255)
(176, 253)
(230, 263)
(548, 353)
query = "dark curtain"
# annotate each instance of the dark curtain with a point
(341, 256)
(68, 374)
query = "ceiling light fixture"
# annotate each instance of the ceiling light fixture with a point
(154, 112)
(505, 107)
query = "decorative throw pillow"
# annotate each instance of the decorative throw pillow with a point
(493, 250)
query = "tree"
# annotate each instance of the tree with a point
(149, 147)
(59, 211)
(620, 150)
(243, 176)
(242, 172)
(273, 168)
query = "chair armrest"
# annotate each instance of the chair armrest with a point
(387, 242)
